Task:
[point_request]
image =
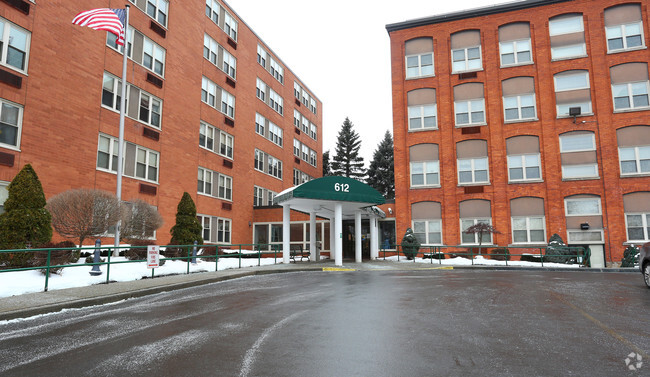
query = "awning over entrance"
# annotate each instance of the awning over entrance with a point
(334, 198)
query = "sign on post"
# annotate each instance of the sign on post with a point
(153, 256)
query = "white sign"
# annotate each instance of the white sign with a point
(153, 256)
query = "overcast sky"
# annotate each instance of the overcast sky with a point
(340, 49)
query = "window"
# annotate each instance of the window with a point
(419, 57)
(276, 102)
(634, 160)
(214, 184)
(275, 134)
(631, 95)
(473, 170)
(637, 216)
(466, 51)
(268, 164)
(267, 129)
(305, 153)
(206, 136)
(313, 131)
(211, 91)
(638, 226)
(227, 104)
(519, 107)
(473, 238)
(469, 104)
(524, 168)
(230, 26)
(153, 56)
(470, 112)
(205, 182)
(567, 37)
(300, 177)
(223, 230)
(205, 225)
(14, 46)
(215, 229)
(578, 155)
(583, 209)
(141, 50)
(139, 162)
(419, 65)
(312, 105)
(428, 232)
(624, 28)
(582, 206)
(11, 121)
(572, 90)
(208, 92)
(219, 56)
(140, 105)
(422, 117)
(277, 71)
(261, 90)
(297, 89)
(157, 9)
(528, 230)
(212, 10)
(263, 197)
(313, 158)
(296, 118)
(296, 147)
(261, 56)
(226, 142)
(425, 173)
(514, 44)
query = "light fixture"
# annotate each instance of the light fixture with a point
(584, 226)
(574, 112)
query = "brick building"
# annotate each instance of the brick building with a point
(211, 110)
(532, 116)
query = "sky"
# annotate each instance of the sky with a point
(341, 51)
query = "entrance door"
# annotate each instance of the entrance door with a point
(349, 241)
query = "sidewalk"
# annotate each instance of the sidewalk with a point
(31, 304)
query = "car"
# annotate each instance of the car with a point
(644, 263)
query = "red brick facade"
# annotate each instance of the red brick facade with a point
(61, 97)
(604, 122)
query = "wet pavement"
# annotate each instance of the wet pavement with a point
(362, 323)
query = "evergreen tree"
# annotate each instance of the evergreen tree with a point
(381, 173)
(25, 221)
(187, 228)
(327, 170)
(347, 161)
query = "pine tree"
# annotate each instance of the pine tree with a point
(327, 169)
(347, 161)
(187, 228)
(25, 222)
(381, 173)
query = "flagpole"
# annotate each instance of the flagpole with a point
(120, 143)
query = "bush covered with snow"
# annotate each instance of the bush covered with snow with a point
(410, 244)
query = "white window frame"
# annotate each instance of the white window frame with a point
(528, 229)
(580, 171)
(313, 131)
(230, 26)
(645, 223)
(596, 199)
(313, 158)
(467, 59)
(260, 92)
(204, 184)
(419, 67)
(427, 224)
(515, 51)
(473, 171)
(637, 160)
(277, 71)
(520, 117)
(213, 10)
(475, 221)
(116, 92)
(567, 106)
(7, 27)
(156, 53)
(227, 104)
(112, 159)
(424, 165)
(157, 6)
(275, 134)
(206, 225)
(556, 51)
(224, 187)
(524, 166)
(258, 196)
(630, 96)
(622, 29)
(592, 148)
(312, 105)
(276, 102)
(421, 116)
(226, 145)
(469, 113)
(296, 147)
(19, 123)
(208, 132)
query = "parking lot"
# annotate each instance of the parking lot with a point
(363, 323)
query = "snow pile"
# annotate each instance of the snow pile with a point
(479, 260)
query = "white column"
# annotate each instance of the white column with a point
(313, 232)
(338, 234)
(332, 237)
(357, 237)
(374, 241)
(286, 232)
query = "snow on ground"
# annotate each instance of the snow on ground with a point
(479, 261)
(19, 282)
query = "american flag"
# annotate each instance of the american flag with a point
(110, 20)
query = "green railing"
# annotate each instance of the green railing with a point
(253, 250)
(570, 254)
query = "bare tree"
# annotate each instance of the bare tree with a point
(83, 213)
(139, 220)
(481, 229)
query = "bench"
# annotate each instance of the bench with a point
(297, 251)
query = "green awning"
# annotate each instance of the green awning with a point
(340, 189)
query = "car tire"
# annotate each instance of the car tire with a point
(646, 274)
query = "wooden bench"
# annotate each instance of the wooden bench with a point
(297, 251)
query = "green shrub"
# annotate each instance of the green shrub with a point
(630, 256)
(501, 254)
(410, 244)
(25, 222)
